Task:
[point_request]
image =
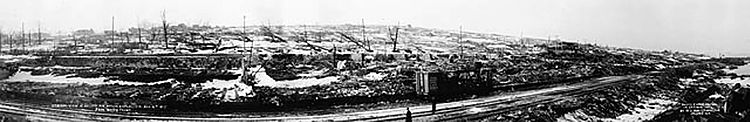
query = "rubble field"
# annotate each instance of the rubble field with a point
(657, 97)
(297, 71)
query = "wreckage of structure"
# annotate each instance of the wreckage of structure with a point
(270, 71)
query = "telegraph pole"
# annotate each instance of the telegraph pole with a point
(364, 38)
(244, 48)
(23, 37)
(139, 36)
(75, 42)
(10, 38)
(395, 40)
(460, 37)
(242, 37)
(335, 64)
(39, 33)
(164, 27)
(549, 38)
(1, 40)
(112, 39)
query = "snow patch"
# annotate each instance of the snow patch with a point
(374, 76)
(27, 77)
(299, 83)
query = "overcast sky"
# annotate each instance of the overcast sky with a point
(700, 26)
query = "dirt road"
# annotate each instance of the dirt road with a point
(458, 110)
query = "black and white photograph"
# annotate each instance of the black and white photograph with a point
(375, 60)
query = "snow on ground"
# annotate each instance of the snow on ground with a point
(204, 52)
(313, 73)
(299, 83)
(651, 108)
(578, 116)
(742, 81)
(374, 76)
(67, 67)
(497, 46)
(18, 57)
(262, 44)
(262, 79)
(231, 89)
(482, 40)
(12, 60)
(741, 70)
(25, 76)
(433, 48)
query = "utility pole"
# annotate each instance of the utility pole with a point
(521, 38)
(75, 42)
(335, 64)
(10, 38)
(1, 40)
(112, 39)
(395, 40)
(460, 37)
(549, 38)
(244, 65)
(127, 40)
(139, 36)
(364, 38)
(28, 41)
(304, 33)
(138, 24)
(39, 33)
(23, 37)
(164, 27)
(242, 37)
